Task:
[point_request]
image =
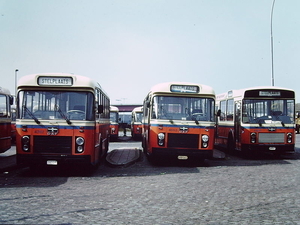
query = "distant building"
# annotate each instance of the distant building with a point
(126, 108)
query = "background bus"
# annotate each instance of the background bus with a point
(256, 119)
(57, 121)
(13, 124)
(297, 122)
(114, 122)
(179, 121)
(6, 100)
(136, 123)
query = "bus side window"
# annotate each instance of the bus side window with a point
(2, 112)
(222, 110)
(229, 110)
(100, 108)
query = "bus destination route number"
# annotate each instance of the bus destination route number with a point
(184, 88)
(55, 81)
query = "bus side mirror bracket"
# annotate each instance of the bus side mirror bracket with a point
(100, 108)
(11, 100)
(148, 104)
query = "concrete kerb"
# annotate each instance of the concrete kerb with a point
(123, 157)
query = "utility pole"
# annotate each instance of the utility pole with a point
(272, 52)
(16, 78)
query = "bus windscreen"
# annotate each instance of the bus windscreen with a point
(183, 108)
(48, 105)
(268, 111)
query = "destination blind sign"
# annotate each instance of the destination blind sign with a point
(55, 81)
(269, 93)
(184, 88)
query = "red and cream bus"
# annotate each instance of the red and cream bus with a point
(136, 123)
(179, 121)
(256, 119)
(61, 119)
(6, 100)
(114, 122)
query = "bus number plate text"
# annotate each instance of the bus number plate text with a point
(183, 157)
(51, 162)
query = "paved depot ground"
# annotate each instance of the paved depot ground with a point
(232, 190)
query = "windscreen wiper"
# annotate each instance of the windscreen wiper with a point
(194, 118)
(278, 118)
(260, 122)
(62, 114)
(31, 114)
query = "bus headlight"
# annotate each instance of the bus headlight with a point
(79, 149)
(161, 139)
(253, 138)
(26, 143)
(289, 138)
(205, 140)
(79, 145)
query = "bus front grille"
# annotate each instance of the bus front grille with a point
(52, 144)
(271, 138)
(183, 140)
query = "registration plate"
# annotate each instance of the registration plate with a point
(51, 162)
(182, 157)
(272, 148)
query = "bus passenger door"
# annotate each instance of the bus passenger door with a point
(218, 114)
(237, 124)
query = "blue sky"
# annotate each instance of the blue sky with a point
(130, 45)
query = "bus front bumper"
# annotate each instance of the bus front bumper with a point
(53, 160)
(277, 149)
(182, 153)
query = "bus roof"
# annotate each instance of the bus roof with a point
(78, 81)
(180, 88)
(114, 108)
(4, 91)
(138, 109)
(241, 92)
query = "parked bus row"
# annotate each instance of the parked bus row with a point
(68, 119)
(179, 120)
(122, 121)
